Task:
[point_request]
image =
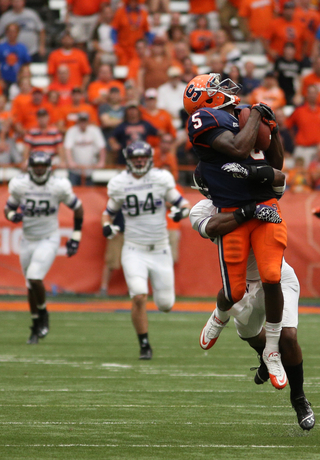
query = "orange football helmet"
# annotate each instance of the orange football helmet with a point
(208, 91)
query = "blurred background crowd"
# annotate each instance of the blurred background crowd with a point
(81, 79)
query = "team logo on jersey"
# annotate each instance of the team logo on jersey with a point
(192, 93)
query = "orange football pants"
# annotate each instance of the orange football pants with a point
(268, 242)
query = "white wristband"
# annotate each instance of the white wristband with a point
(11, 215)
(76, 235)
(202, 227)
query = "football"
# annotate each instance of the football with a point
(264, 133)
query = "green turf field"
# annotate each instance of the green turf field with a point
(83, 394)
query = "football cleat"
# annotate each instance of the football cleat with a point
(267, 214)
(275, 368)
(262, 374)
(43, 327)
(238, 171)
(145, 353)
(305, 415)
(33, 339)
(211, 331)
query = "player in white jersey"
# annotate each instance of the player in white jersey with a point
(142, 192)
(249, 313)
(38, 195)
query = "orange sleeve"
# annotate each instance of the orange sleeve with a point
(52, 64)
(84, 63)
(244, 9)
(94, 116)
(92, 92)
(117, 18)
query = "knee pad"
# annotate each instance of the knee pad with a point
(238, 291)
(271, 274)
(164, 300)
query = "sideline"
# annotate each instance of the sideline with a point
(123, 305)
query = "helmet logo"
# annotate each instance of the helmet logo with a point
(192, 93)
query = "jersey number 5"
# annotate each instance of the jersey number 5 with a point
(197, 123)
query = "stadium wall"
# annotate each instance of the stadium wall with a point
(197, 271)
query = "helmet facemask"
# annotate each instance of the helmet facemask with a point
(135, 150)
(36, 160)
(227, 87)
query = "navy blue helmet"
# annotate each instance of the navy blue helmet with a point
(138, 157)
(36, 159)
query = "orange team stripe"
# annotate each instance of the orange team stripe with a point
(116, 305)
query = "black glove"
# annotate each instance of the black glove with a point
(245, 213)
(265, 111)
(176, 214)
(110, 231)
(72, 247)
(316, 212)
(263, 174)
(15, 217)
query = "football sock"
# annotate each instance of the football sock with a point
(273, 331)
(42, 307)
(143, 340)
(295, 377)
(35, 320)
(222, 315)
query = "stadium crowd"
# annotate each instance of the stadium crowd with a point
(88, 112)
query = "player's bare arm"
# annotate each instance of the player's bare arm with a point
(241, 145)
(275, 152)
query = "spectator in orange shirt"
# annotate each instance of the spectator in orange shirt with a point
(202, 7)
(256, 17)
(312, 78)
(82, 15)
(314, 171)
(201, 38)
(164, 155)
(69, 113)
(153, 71)
(62, 85)
(26, 117)
(142, 52)
(269, 92)
(5, 118)
(159, 118)
(74, 58)
(53, 98)
(310, 18)
(99, 89)
(227, 50)
(304, 124)
(130, 23)
(44, 138)
(298, 178)
(285, 29)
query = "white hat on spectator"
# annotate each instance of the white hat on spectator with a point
(174, 71)
(151, 93)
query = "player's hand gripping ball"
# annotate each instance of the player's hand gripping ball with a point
(264, 134)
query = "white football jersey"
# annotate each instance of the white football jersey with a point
(143, 204)
(40, 203)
